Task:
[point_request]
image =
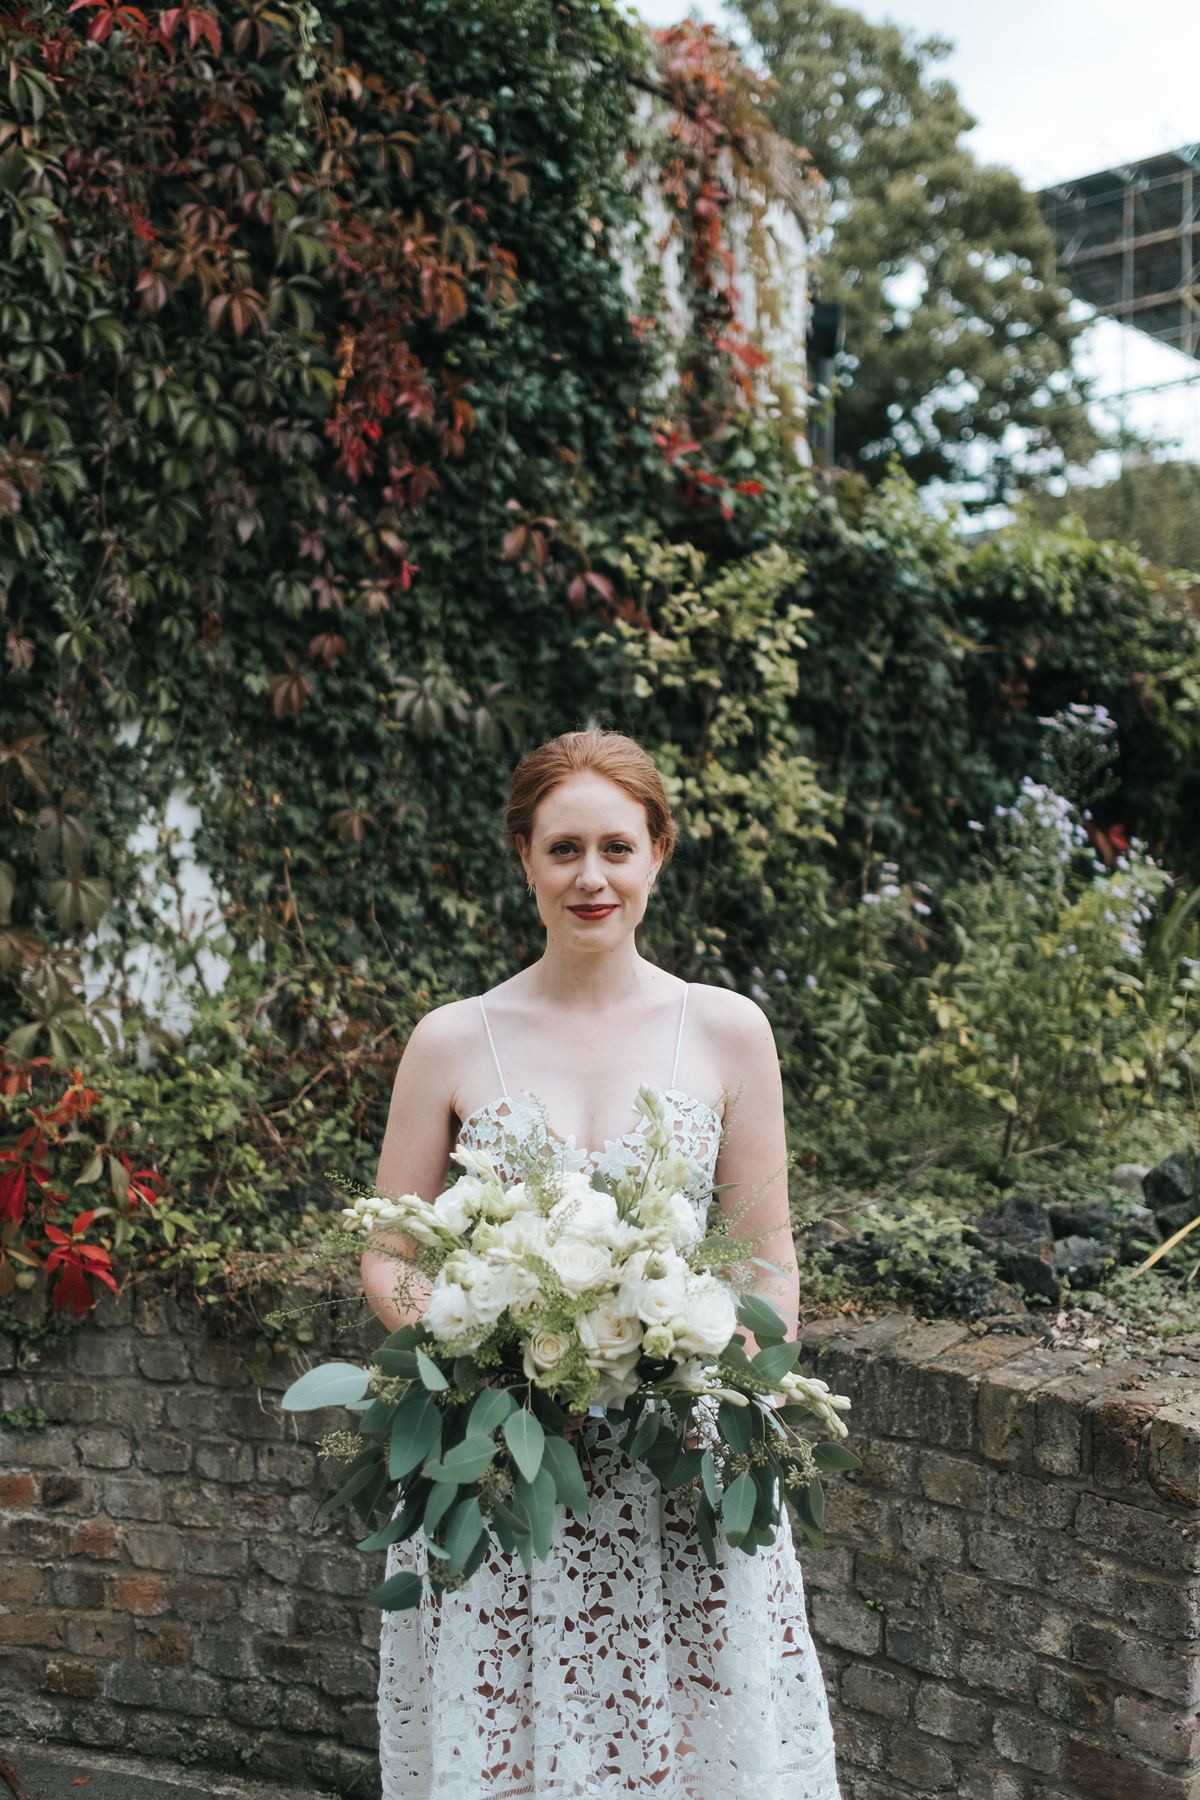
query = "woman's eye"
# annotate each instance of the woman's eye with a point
(561, 849)
(620, 849)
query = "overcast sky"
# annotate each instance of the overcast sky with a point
(1062, 88)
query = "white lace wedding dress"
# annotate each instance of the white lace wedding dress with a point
(624, 1665)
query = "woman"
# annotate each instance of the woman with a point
(623, 1665)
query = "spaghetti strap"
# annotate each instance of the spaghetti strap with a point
(679, 1039)
(495, 1058)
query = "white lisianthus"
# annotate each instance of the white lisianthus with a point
(579, 1265)
(617, 1382)
(496, 1288)
(524, 1234)
(609, 1335)
(543, 1350)
(710, 1314)
(654, 1302)
(450, 1312)
(458, 1206)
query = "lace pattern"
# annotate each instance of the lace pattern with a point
(623, 1665)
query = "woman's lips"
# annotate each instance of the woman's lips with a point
(591, 912)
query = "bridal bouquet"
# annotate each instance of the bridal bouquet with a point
(550, 1296)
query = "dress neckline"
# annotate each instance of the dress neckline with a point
(528, 1102)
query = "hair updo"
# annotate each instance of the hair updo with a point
(608, 753)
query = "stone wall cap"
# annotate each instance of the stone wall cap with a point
(134, 1778)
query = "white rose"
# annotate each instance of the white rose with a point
(580, 1266)
(608, 1335)
(710, 1315)
(450, 1311)
(543, 1350)
(586, 1214)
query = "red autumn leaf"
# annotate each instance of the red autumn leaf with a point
(12, 1193)
(290, 690)
(749, 487)
(327, 647)
(513, 542)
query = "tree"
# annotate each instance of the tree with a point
(956, 328)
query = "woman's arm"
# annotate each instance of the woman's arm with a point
(752, 1164)
(415, 1155)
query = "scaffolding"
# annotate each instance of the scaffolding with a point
(1126, 244)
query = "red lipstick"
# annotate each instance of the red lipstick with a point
(592, 912)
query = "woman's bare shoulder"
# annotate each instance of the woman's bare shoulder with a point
(733, 1022)
(446, 1029)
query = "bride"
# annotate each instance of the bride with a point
(623, 1665)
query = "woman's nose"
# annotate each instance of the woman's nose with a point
(591, 874)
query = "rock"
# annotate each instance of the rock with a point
(1017, 1236)
(1094, 1218)
(1082, 1260)
(1170, 1191)
(1128, 1175)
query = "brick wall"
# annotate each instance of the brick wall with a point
(1008, 1605)
(164, 1586)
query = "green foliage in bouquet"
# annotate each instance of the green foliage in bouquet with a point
(549, 1296)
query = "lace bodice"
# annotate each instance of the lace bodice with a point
(500, 1128)
(623, 1665)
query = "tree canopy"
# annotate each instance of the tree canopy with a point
(958, 343)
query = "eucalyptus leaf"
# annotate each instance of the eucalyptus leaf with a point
(463, 1462)
(441, 1499)
(537, 1497)
(833, 1456)
(386, 1536)
(462, 1530)
(430, 1374)
(777, 1360)
(761, 1318)
(527, 1441)
(737, 1508)
(708, 1475)
(734, 1425)
(399, 1593)
(416, 1430)
(490, 1409)
(644, 1436)
(563, 1465)
(332, 1384)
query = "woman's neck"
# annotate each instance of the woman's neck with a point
(591, 982)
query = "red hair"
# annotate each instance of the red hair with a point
(617, 758)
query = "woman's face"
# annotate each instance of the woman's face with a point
(591, 861)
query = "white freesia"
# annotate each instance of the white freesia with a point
(808, 1391)
(477, 1162)
(710, 1314)
(580, 1265)
(450, 1312)
(543, 1350)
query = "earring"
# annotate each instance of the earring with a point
(530, 889)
